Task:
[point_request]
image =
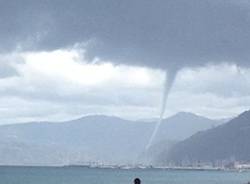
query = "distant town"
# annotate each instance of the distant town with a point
(224, 165)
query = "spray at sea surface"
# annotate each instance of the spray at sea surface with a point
(170, 77)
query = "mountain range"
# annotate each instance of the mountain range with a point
(96, 138)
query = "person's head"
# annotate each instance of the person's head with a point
(137, 181)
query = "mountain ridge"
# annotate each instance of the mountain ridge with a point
(150, 120)
(223, 143)
(90, 138)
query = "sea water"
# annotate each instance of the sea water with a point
(81, 175)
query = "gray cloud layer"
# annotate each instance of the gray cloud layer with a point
(159, 33)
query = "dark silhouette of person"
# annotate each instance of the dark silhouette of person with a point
(137, 181)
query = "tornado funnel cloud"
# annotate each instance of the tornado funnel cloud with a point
(170, 76)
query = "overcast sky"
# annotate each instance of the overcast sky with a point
(64, 59)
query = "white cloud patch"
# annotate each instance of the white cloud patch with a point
(63, 84)
(68, 65)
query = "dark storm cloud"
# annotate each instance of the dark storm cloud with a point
(159, 33)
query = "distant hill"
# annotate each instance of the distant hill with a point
(183, 125)
(230, 141)
(91, 138)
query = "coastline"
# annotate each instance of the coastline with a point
(125, 167)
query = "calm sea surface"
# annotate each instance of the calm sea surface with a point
(79, 175)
